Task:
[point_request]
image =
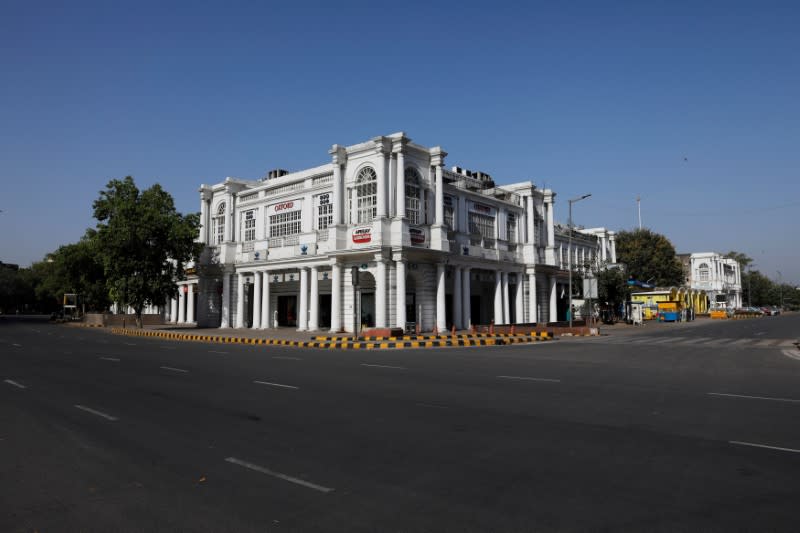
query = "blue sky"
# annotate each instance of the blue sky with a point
(691, 105)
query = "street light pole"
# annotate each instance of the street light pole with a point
(780, 286)
(569, 254)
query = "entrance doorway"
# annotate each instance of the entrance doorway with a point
(324, 310)
(368, 310)
(287, 311)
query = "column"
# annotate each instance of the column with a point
(181, 304)
(257, 300)
(380, 294)
(531, 218)
(173, 310)
(380, 170)
(439, 197)
(225, 310)
(204, 208)
(466, 317)
(266, 312)
(551, 235)
(400, 270)
(498, 297)
(612, 237)
(230, 217)
(604, 245)
(302, 311)
(401, 187)
(532, 299)
(240, 302)
(457, 305)
(553, 316)
(313, 316)
(441, 316)
(506, 313)
(336, 297)
(190, 304)
(520, 298)
(338, 184)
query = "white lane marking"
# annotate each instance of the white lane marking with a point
(96, 412)
(287, 357)
(384, 366)
(789, 400)
(740, 443)
(278, 475)
(12, 382)
(173, 369)
(167, 347)
(524, 378)
(17, 345)
(114, 359)
(740, 341)
(760, 333)
(787, 343)
(130, 344)
(276, 385)
(215, 351)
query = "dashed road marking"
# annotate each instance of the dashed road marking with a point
(754, 445)
(15, 384)
(173, 369)
(746, 397)
(287, 357)
(525, 378)
(280, 385)
(384, 366)
(113, 359)
(96, 412)
(267, 471)
(218, 352)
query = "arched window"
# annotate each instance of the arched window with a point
(703, 272)
(218, 225)
(412, 181)
(366, 195)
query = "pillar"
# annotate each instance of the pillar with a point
(441, 316)
(439, 221)
(457, 298)
(532, 299)
(498, 297)
(336, 297)
(257, 300)
(173, 310)
(266, 312)
(466, 317)
(181, 304)
(553, 315)
(380, 294)
(302, 312)
(519, 299)
(506, 302)
(205, 198)
(400, 271)
(240, 302)
(313, 317)
(531, 220)
(380, 170)
(551, 235)
(339, 157)
(226, 301)
(400, 208)
(190, 304)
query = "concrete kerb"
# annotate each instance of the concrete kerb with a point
(346, 343)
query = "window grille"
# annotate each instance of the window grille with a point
(283, 224)
(366, 195)
(412, 181)
(249, 225)
(324, 211)
(218, 225)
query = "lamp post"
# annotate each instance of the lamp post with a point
(780, 286)
(749, 286)
(569, 253)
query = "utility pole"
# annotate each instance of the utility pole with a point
(639, 208)
(569, 253)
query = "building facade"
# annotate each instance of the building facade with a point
(382, 236)
(719, 276)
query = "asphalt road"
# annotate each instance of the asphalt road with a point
(677, 427)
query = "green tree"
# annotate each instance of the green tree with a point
(612, 287)
(144, 243)
(743, 259)
(75, 268)
(649, 256)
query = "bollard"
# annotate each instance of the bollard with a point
(491, 327)
(453, 330)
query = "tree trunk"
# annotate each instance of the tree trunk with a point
(139, 317)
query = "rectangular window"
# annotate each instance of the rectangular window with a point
(449, 212)
(218, 230)
(249, 225)
(324, 211)
(511, 227)
(286, 223)
(482, 224)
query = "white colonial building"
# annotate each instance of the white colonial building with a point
(382, 236)
(719, 276)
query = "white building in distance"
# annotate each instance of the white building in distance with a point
(383, 235)
(719, 276)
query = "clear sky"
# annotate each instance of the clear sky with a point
(694, 106)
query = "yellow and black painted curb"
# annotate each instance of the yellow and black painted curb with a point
(537, 335)
(338, 343)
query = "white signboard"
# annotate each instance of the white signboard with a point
(285, 207)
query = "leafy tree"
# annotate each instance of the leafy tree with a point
(612, 287)
(649, 256)
(143, 243)
(75, 268)
(740, 258)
